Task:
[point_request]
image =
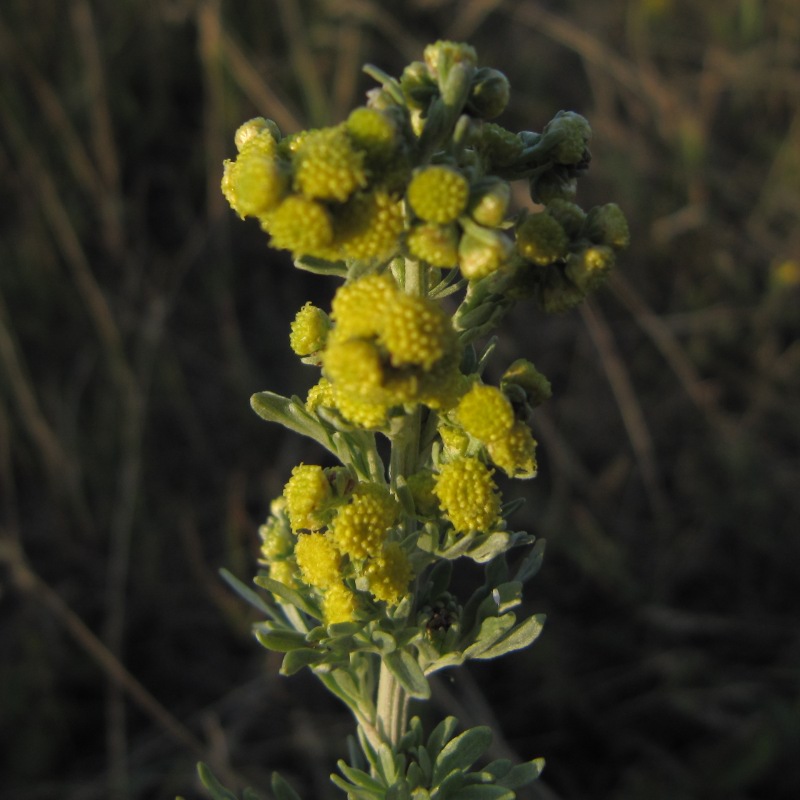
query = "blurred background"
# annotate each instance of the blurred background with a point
(138, 315)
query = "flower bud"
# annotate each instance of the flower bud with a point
(418, 86)
(553, 184)
(253, 128)
(523, 376)
(607, 225)
(489, 202)
(541, 239)
(437, 245)
(569, 215)
(479, 256)
(443, 55)
(489, 94)
(515, 453)
(309, 330)
(589, 268)
(567, 135)
(498, 145)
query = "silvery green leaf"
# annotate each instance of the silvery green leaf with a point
(281, 789)
(448, 660)
(407, 671)
(319, 266)
(522, 774)
(459, 754)
(387, 768)
(499, 768)
(479, 791)
(292, 414)
(489, 547)
(215, 788)
(287, 595)
(520, 637)
(385, 642)
(359, 778)
(491, 631)
(531, 563)
(247, 594)
(280, 641)
(295, 660)
(441, 735)
(356, 792)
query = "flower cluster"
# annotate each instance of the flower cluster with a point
(409, 201)
(334, 534)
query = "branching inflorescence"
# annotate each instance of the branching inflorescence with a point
(409, 201)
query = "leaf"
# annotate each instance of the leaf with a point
(287, 595)
(491, 631)
(486, 791)
(387, 767)
(356, 792)
(522, 774)
(440, 735)
(360, 778)
(217, 790)
(488, 548)
(246, 593)
(520, 637)
(461, 753)
(319, 266)
(385, 642)
(406, 669)
(292, 414)
(280, 641)
(295, 660)
(531, 563)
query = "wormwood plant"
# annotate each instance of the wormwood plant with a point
(408, 201)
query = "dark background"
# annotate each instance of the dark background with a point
(137, 315)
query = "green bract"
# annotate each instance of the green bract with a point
(408, 202)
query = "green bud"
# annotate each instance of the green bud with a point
(489, 202)
(498, 145)
(442, 56)
(489, 94)
(589, 268)
(554, 184)
(567, 135)
(481, 255)
(607, 225)
(541, 239)
(570, 216)
(522, 376)
(252, 128)
(418, 86)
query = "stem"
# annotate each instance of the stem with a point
(392, 708)
(392, 701)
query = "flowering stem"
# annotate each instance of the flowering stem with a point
(392, 711)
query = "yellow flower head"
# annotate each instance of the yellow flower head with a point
(515, 453)
(301, 225)
(354, 365)
(254, 184)
(369, 225)
(388, 574)
(308, 495)
(339, 604)
(485, 413)
(327, 166)
(468, 496)
(368, 414)
(320, 394)
(438, 194)
(360, 527)
(373, 132)
(318, 559)
(358, 308)
(309, 330)
(284, 572)
(416, 331)
(276, 540)
(435, 244)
